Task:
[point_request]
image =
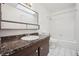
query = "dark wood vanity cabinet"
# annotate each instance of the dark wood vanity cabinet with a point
(44, 48)
(40, 48)
(26, 52)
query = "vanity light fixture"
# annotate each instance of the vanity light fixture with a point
(25, 8)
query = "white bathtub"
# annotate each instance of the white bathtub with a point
(62, 43)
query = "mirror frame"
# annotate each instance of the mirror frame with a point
(19, 22)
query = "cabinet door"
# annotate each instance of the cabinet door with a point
(27, 52)
(44, 48)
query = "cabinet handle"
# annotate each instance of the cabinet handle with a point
(36, 50)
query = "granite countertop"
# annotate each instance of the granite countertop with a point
(13, 46)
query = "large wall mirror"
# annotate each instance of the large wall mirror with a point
(18, 16)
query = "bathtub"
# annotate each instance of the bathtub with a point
(53, 43)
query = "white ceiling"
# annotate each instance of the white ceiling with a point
(53, 7)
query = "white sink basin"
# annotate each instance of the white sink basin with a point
(30, 37)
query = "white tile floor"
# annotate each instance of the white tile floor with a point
(61, 51)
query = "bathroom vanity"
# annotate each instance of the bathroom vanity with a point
(16, 22)
(38, 47)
